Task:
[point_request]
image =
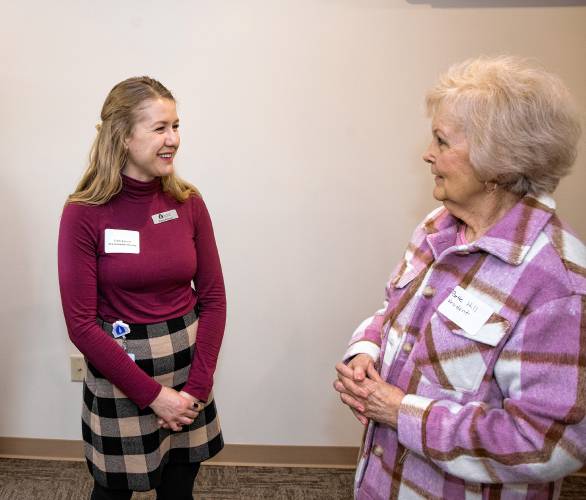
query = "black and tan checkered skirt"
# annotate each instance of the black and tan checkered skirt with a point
(124, 446)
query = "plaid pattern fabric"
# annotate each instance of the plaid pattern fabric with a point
(501, 415)
(124, 446)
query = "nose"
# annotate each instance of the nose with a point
(428, 155)
(172, 138)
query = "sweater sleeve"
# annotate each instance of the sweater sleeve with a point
(538, 433)
(211, 300)
(78, 283)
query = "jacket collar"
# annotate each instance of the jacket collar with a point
(510, 239)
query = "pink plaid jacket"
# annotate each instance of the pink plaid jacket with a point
(499, 412)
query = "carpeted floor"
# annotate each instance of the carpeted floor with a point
(44, 480)
(53, 480)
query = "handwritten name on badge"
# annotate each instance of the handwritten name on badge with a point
(121, 241)
(165, 216)
(467, 311)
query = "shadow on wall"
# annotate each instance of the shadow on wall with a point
(476, 4)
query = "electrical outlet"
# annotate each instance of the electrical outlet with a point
(78, 368)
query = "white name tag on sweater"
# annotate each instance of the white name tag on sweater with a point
(165, 216)
(466, 310)
(121, 241)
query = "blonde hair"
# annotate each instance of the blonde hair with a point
(520, 121)
(103, 177)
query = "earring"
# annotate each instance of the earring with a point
(490, 187)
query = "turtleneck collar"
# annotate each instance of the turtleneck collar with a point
(140, 190)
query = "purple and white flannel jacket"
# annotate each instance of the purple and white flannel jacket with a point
(499, 418)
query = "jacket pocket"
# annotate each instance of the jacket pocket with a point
(449, 358)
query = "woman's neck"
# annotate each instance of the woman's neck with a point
(484, 212)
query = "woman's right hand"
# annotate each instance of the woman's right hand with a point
(359, 365)
(174, 409)
(349, 381)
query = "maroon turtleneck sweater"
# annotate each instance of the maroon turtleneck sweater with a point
(149, 287)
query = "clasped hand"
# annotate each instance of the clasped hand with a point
(174, 409)
(363, 390)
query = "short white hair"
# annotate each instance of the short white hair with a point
(520, 121)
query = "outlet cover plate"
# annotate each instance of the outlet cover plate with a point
(78, 368)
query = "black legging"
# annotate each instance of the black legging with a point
(176, 484)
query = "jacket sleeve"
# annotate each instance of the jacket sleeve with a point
(211, 303)
(539, 433)
(78, 283)
(366, 339)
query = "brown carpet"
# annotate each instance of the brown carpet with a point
(44, 480)
(54, 480)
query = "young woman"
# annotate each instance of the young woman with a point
(133, 239)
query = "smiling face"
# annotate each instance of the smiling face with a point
(456, 183)
(154, 141)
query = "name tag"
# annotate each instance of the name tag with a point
(467, 311)
(121, 241)
(165, 216)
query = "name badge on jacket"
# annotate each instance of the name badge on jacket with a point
(121, 241)
(468, 312)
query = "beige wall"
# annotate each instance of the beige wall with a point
(303, 125)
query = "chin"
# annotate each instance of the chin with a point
(164, 172)
(439, 194)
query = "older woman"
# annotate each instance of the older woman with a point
(472, 377)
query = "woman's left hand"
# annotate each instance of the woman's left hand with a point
(196, 403)
(374, 398)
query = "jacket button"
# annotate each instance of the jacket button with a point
(428, 292)
(407, 347)
(377, 450)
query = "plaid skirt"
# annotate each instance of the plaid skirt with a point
(124, 446)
